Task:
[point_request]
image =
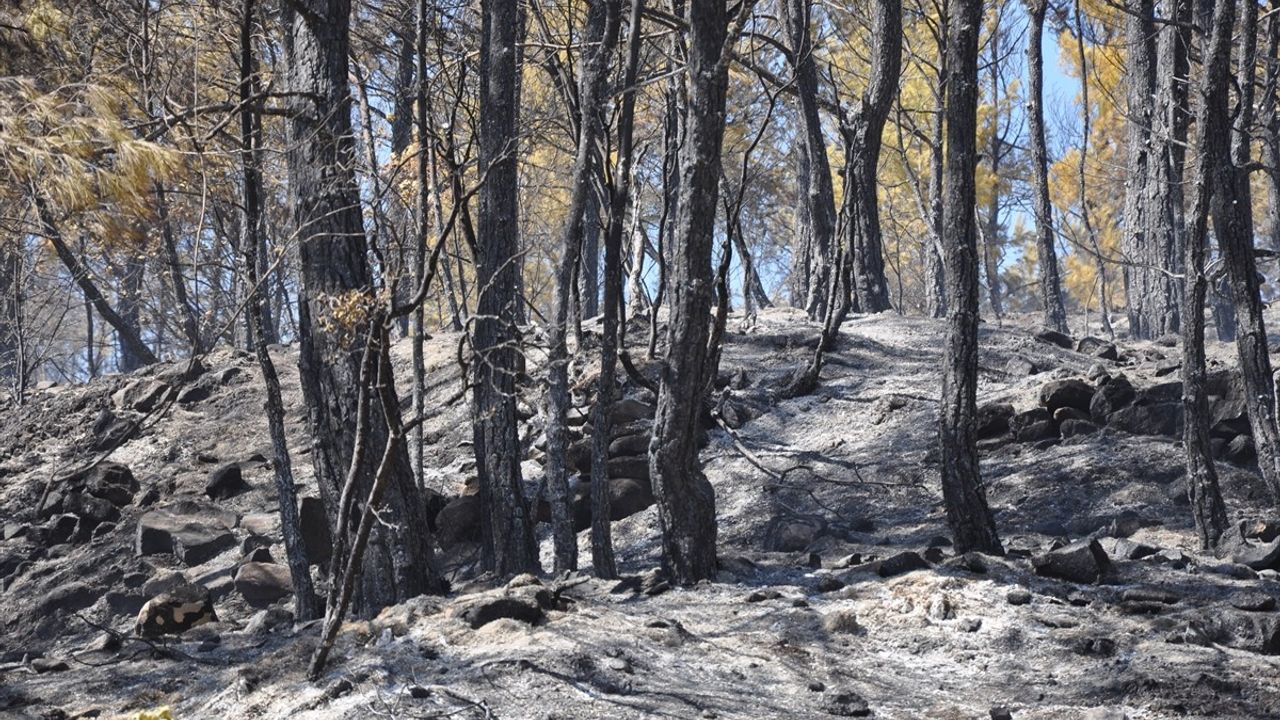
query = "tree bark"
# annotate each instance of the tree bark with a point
(1054, 313)
(337, 304)
(965, 499)
(862, 131)
(507, 526)
(1207, 507)
(1140, 277)
(819, 194)
(601, 37)
(685, 499)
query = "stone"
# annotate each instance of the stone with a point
(1111, 395)
(829, 583)
(841, 622)
(629, 466)
(194, 394)
(142, 395)
(194, 540)
(901, 563)
(314, 524)
(266, 620)
(1240, 451)
(48, 665)
(522, 608)
(763, 594)
(1074, 428)
(1259, 556)
(846, 703)
(459, 520)
(110, 481)
(261, 524)
(175, 612)
(61, 529)
(1167, 367)
(794, 534)
(263, 583)
(1071, 392)
(630, 409)
(1149, 594)
(627, 496)
(1081, 562)
(1019, 366)
(1053, 337)
(1253, 601)
(993, 420)
(637, 444)
(91, 510)
(1152, 419)
(1032, 425)
(226, 482)
(1000, 713)
(1018, 596)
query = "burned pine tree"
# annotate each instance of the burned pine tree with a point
(968, 515)
(507, 525)
(335, 309)
(1051, 305)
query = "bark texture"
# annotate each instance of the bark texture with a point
(1053, 311)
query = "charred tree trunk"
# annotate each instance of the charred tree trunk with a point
(603, 20)
(1269, 117)
(1206, 499)
(963, 495)
(129, 302)
(1054, 313)
(305, 603)
(1141, 276)
(507, 526)
(336, 306)
(862, 131)
(589, 273)
(685, 499)
(819, 194)
(1231, 209)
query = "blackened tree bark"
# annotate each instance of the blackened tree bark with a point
(601, 37)
(10, 264)
(1207, 507)
(685, 499)
(253, 237)
(819, 195)
(1163, 211)
(1140, 274)
(1232, 212)
(861, 131)
(129, 304)
(1100, 268)
(602, 557)
(305, 602)
(968, 515)
(1054, 313)
(1269, 118)
(507, 526)
(336, 306)
(589, 273)
(935, 266)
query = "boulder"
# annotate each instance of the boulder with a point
(1032, 425)
(627, 496)
(175, 612)
(1240, 450)
(1253, 601)
(1053, 337)
(1112, 394)
(637, 444)
(92, 511)
(459, 520)
(794, 533)
(1072, 428)
(1081, 562)
(525, 604)
(629, 410)
(993, 420)
(630, 466)
(1258, 556)
(900, 563)
(1148, 419)
(1070, 393)
(226, 482)
(1098, 348)
(263, 583)
(195, 394)
(142, 395)
(1019, 366)
(61, 529)
(193, 539)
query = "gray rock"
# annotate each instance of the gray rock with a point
(175, 612)
(1081, 562)
(1018, 596)
(1071, 393)
(1053, 337)
(1253, 601)
(226, 482)
(1112, 394)
(1153, 419)
(194, 540)
(263, 583)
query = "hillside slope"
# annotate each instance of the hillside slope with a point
(838, 594)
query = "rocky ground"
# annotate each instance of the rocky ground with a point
(838, 596)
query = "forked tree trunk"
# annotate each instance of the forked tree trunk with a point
(963, 495)
(337, 300)
(685, 499)
(819, 195)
